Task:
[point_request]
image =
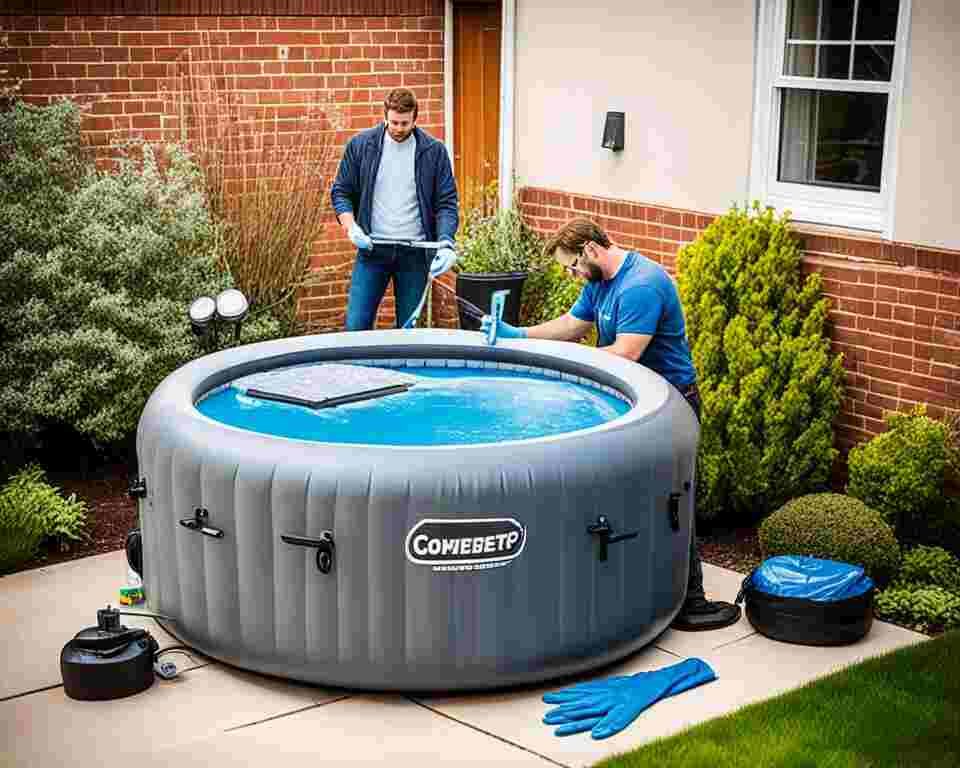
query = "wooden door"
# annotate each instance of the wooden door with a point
(476, 96)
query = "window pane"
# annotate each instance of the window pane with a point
(802, 21)
(837, 23)
(877, 19)
(799, 60)
(835, 61)
(832, 138)
(873, 62)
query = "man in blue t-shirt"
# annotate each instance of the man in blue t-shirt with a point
(636, 309)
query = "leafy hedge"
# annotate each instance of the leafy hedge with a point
(770, 386)
(97, 269)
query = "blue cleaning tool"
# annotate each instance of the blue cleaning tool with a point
(497, 303)
(605, 707)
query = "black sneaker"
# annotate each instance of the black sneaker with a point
(699, 614)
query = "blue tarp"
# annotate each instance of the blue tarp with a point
(810, 578)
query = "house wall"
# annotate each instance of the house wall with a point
(927, 201)
(895, 308)
(681, 71)
(120, 66)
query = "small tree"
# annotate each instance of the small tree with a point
(770, 387)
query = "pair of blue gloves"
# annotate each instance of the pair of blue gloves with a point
(605, 707)
(444, 259)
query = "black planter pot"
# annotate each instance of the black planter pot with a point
(478, 287)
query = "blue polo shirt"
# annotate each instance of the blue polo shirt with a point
(641, 298)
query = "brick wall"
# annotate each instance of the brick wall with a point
(895, 307)
(120, 65)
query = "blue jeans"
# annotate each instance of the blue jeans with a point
(372, 272)
(695, 578)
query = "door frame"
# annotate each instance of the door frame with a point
(508, 36)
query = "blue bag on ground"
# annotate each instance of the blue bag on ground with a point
(808, 600)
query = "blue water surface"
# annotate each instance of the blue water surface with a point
(447, 406)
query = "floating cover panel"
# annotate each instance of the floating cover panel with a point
(324, 385)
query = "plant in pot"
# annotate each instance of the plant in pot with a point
(496, 251)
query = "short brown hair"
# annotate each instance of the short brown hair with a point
(575, 234)
(400, 100)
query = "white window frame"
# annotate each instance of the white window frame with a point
(853, 209)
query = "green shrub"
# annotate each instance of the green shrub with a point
(497, 242)
(902, 472)
(31, 510)
(925, 606)
(770, 386)
(93, 311)
(931, 565)
(834, 527)
(548, 293)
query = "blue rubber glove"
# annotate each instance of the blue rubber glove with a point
(445, 258)
(504, 329)
(605, 707)
(359, 238)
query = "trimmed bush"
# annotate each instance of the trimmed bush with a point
(32, 509)
(834, 527)
(925, 606)
(93, 300)
(770, 386)
(931, 565)
(902, 472)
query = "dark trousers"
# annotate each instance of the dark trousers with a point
(695, 578)
(372, 272)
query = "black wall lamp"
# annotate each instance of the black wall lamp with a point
(613, 131)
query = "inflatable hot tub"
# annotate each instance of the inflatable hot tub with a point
(418, 564)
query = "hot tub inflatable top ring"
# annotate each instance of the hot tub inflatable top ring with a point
(418, 567)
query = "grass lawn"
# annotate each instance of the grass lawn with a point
(901, 709)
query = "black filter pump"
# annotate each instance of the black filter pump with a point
(108, 661)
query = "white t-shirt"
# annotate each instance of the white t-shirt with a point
(396, 213)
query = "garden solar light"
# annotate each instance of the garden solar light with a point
(232, 308)
(202, 312)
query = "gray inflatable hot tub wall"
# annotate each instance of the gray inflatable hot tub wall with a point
(394, 612)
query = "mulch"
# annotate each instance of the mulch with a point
(111, 513)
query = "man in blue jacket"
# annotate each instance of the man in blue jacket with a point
(395, 182)
(636, 309)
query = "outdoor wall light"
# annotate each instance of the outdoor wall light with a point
(613, 131)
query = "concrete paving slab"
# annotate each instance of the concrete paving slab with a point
(49, 729)
(42, 609)
(751, 669)
(719, 584)
(361, 730)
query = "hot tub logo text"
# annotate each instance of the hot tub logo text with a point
(465, 545)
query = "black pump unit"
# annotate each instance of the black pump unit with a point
(108, 661)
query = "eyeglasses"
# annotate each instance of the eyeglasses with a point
(571, 266)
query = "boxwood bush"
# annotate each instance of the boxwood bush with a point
(834, 527)
(903, 472)
(770, 386)
(97, 269)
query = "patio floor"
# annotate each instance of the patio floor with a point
(215, 715)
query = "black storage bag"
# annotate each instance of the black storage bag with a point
(807, 600)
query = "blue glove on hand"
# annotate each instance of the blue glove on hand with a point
(445, 258)
(605, 707)
(359, 238)
(504, 329)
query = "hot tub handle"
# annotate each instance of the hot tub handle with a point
(604, 536)
(324, 545)
(199, 523)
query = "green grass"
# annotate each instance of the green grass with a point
(901, 709)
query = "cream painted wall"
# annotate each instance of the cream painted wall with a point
(683, 73)
(927, 202)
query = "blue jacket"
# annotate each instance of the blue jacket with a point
(436, 190)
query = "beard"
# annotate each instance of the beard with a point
(594, 273)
